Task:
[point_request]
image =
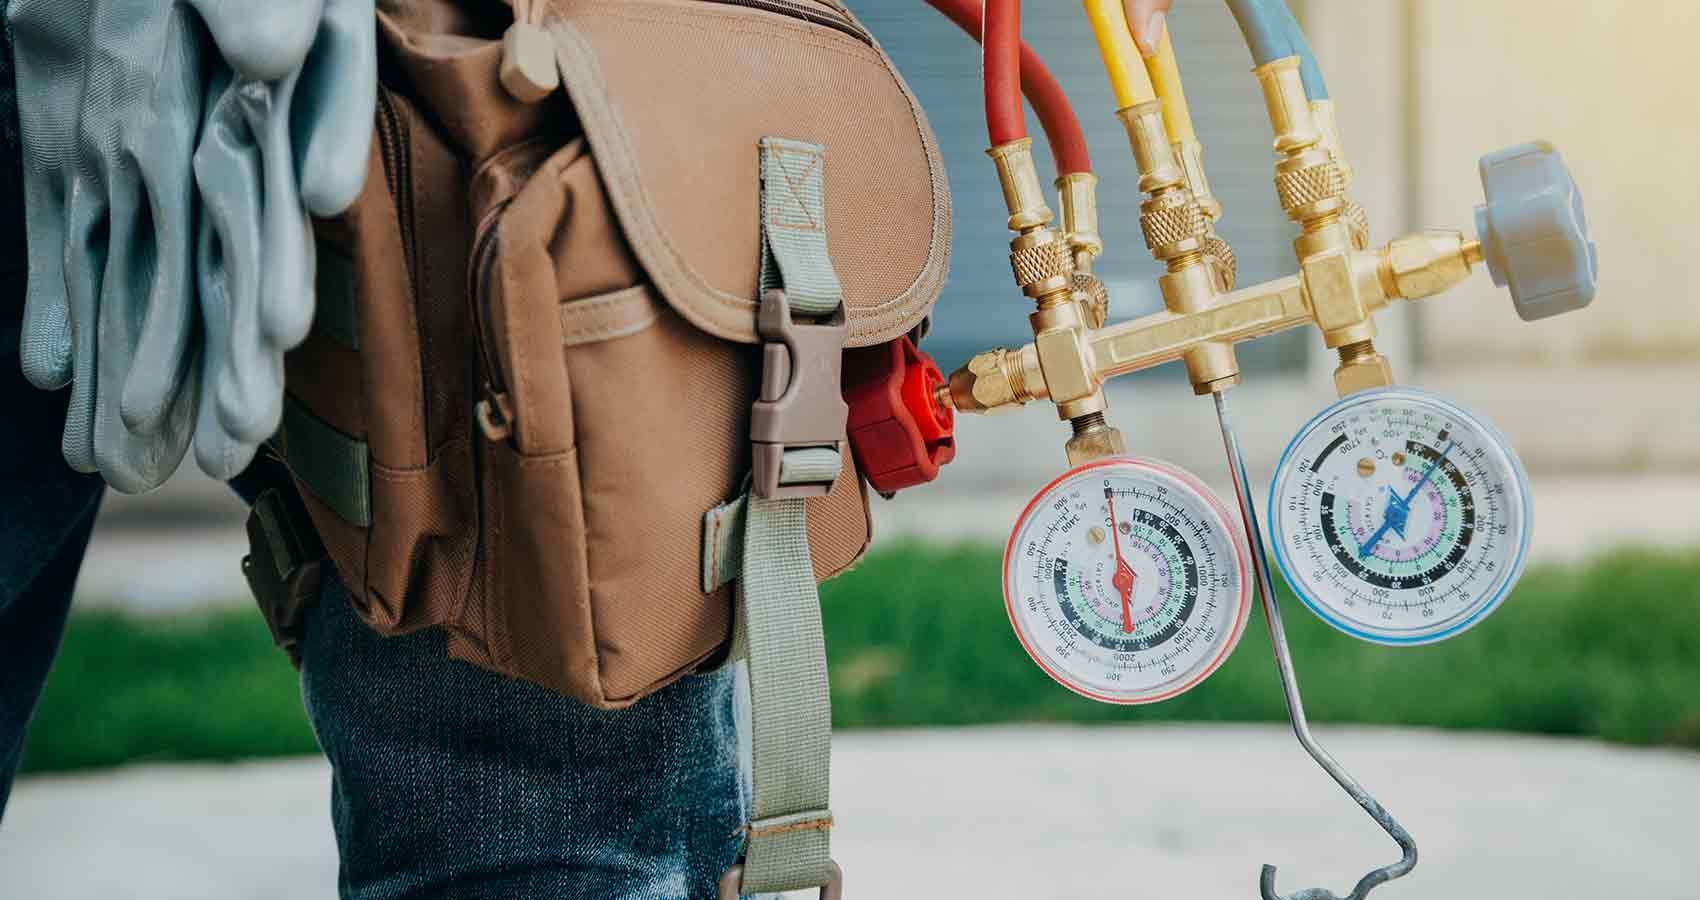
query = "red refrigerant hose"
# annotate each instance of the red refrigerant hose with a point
(1062, 129)
(1000, 42)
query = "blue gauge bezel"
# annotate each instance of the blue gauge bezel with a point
(1322, 610)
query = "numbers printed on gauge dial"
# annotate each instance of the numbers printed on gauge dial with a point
(1126, 581)
(1399, 517)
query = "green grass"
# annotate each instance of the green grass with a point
(918, 636)
(1611, 650)
(208, 686)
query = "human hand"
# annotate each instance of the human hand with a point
(1147, 17)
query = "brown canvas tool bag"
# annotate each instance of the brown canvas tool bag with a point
(542, 331)
(573, 391)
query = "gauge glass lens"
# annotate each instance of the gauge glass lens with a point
(1399, 517)
(1125, 580)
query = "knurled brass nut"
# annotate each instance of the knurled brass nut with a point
(1311, 184)
(1172, 224)
(1227, 262)
(1357, 222)
(1095, 298)
(1038, 263)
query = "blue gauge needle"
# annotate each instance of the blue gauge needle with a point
(1399, 508)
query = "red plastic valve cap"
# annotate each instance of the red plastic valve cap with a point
(898, 432)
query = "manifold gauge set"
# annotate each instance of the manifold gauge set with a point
(1396, 516)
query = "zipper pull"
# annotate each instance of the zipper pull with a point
(528, 58)
(495, 415)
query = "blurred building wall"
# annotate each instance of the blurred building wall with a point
(1425, 87)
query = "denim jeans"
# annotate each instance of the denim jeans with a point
(451, 781)
(46, 511)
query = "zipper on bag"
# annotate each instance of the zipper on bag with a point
(494, 411)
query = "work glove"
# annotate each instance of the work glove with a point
(117, 95)
(287, 126)
(109, 123)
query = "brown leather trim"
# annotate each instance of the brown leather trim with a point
(608, 316)
(722, 314)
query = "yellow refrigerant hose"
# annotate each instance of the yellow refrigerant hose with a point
(1128, 78)
(1165, 76)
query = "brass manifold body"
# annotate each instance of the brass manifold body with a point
(1340, 284)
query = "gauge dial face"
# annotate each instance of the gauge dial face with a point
(1126, 581)
(1399, 517)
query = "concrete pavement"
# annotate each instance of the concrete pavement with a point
(1030, 813)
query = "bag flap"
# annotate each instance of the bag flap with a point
(675, 96)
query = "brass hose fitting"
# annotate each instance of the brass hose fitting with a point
(1039, 256)
(994, 381)
(1327, 121)
(1189, 155)
(1361, 368)
(1019, 178)
(1177, 229)
(1093, 438)
(1078, 193)
(1309, 179)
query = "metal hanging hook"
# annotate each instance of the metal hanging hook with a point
(1295, 704)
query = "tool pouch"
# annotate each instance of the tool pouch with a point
(538, 346)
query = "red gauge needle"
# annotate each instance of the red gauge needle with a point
(1124, 577)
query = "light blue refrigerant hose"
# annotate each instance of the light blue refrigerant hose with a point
(1272, 33)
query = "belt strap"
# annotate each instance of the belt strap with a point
(788, 840)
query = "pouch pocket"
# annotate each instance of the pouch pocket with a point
(611, 425)
(378, 430)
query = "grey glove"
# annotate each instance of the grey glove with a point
(113, 86)
(116, 106)
(260, 135)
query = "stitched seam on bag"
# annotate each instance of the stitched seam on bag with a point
(735, 22)
(578, 58)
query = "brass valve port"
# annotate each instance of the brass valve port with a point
(994, 381)
(1361, 368)
(1189, 155)
(1093, 439)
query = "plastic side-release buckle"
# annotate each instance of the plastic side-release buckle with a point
(900, 434)
(801, 404)
(284, 564)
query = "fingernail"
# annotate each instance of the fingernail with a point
(1152, 34)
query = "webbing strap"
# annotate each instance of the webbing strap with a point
(331, 464)
(336, 314)
(789, 838)
(793, 224)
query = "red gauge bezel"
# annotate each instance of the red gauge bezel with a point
(1242, 558)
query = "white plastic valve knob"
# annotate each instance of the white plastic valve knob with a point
(1534, 231)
